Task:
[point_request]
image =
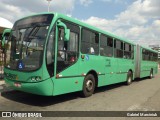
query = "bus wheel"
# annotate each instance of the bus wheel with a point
(151, 74)
(129, 78)
(88, 85)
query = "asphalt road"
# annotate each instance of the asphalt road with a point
(141, 95)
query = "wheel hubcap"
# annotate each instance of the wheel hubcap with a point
(129, 79)
(89, 85)
(151, 75)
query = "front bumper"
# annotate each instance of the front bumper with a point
(40, 88)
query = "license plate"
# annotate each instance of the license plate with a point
(17, 84)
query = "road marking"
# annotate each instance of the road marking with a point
(140, 108)
(134, 107)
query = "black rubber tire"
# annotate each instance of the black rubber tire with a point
(151, 74)
(129, 78)
(88, 90)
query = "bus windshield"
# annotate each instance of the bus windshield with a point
(27, 42)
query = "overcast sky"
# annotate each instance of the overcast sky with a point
(137, 20)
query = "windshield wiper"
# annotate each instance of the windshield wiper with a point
(33, 37)
(31, 34)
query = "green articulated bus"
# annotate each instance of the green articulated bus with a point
(53, 54)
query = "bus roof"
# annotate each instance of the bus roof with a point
(76, 21)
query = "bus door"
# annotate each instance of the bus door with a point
(66, 67)
(67, 54)
(67, 49)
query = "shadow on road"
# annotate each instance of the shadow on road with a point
(113, 86)
(37, 100)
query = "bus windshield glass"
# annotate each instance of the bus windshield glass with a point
(27, 42)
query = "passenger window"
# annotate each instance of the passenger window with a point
(90, 42)
(106, 46)
(128, 51)
(103, 45)
(118, 51)
(155, 56)
(145, 55)
(149, 55)
(72, 47)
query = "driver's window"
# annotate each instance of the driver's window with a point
(50, 48)
(61, 34)
(50, 53)
(62, 45)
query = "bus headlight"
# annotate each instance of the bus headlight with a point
(36, 78)
(33, 78)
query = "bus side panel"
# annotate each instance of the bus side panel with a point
(93, 63)
(110, 70)
(116, 70)
(155, 68)
(67, 85)
(146, 67)
(72, 78)
(155, 71)
(113, 74)
(124, 65)
(101, 78)
(69, 80)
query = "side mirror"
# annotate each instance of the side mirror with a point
(6, 34)
(67, 35)
(66, 31)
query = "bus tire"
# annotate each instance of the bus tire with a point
(151, 74)
(88, 86)
(129, 78)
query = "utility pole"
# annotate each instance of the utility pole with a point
(49, 4)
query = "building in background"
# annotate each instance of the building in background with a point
(157, 48)
(4, 23)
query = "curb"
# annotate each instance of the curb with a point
(4, 87)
